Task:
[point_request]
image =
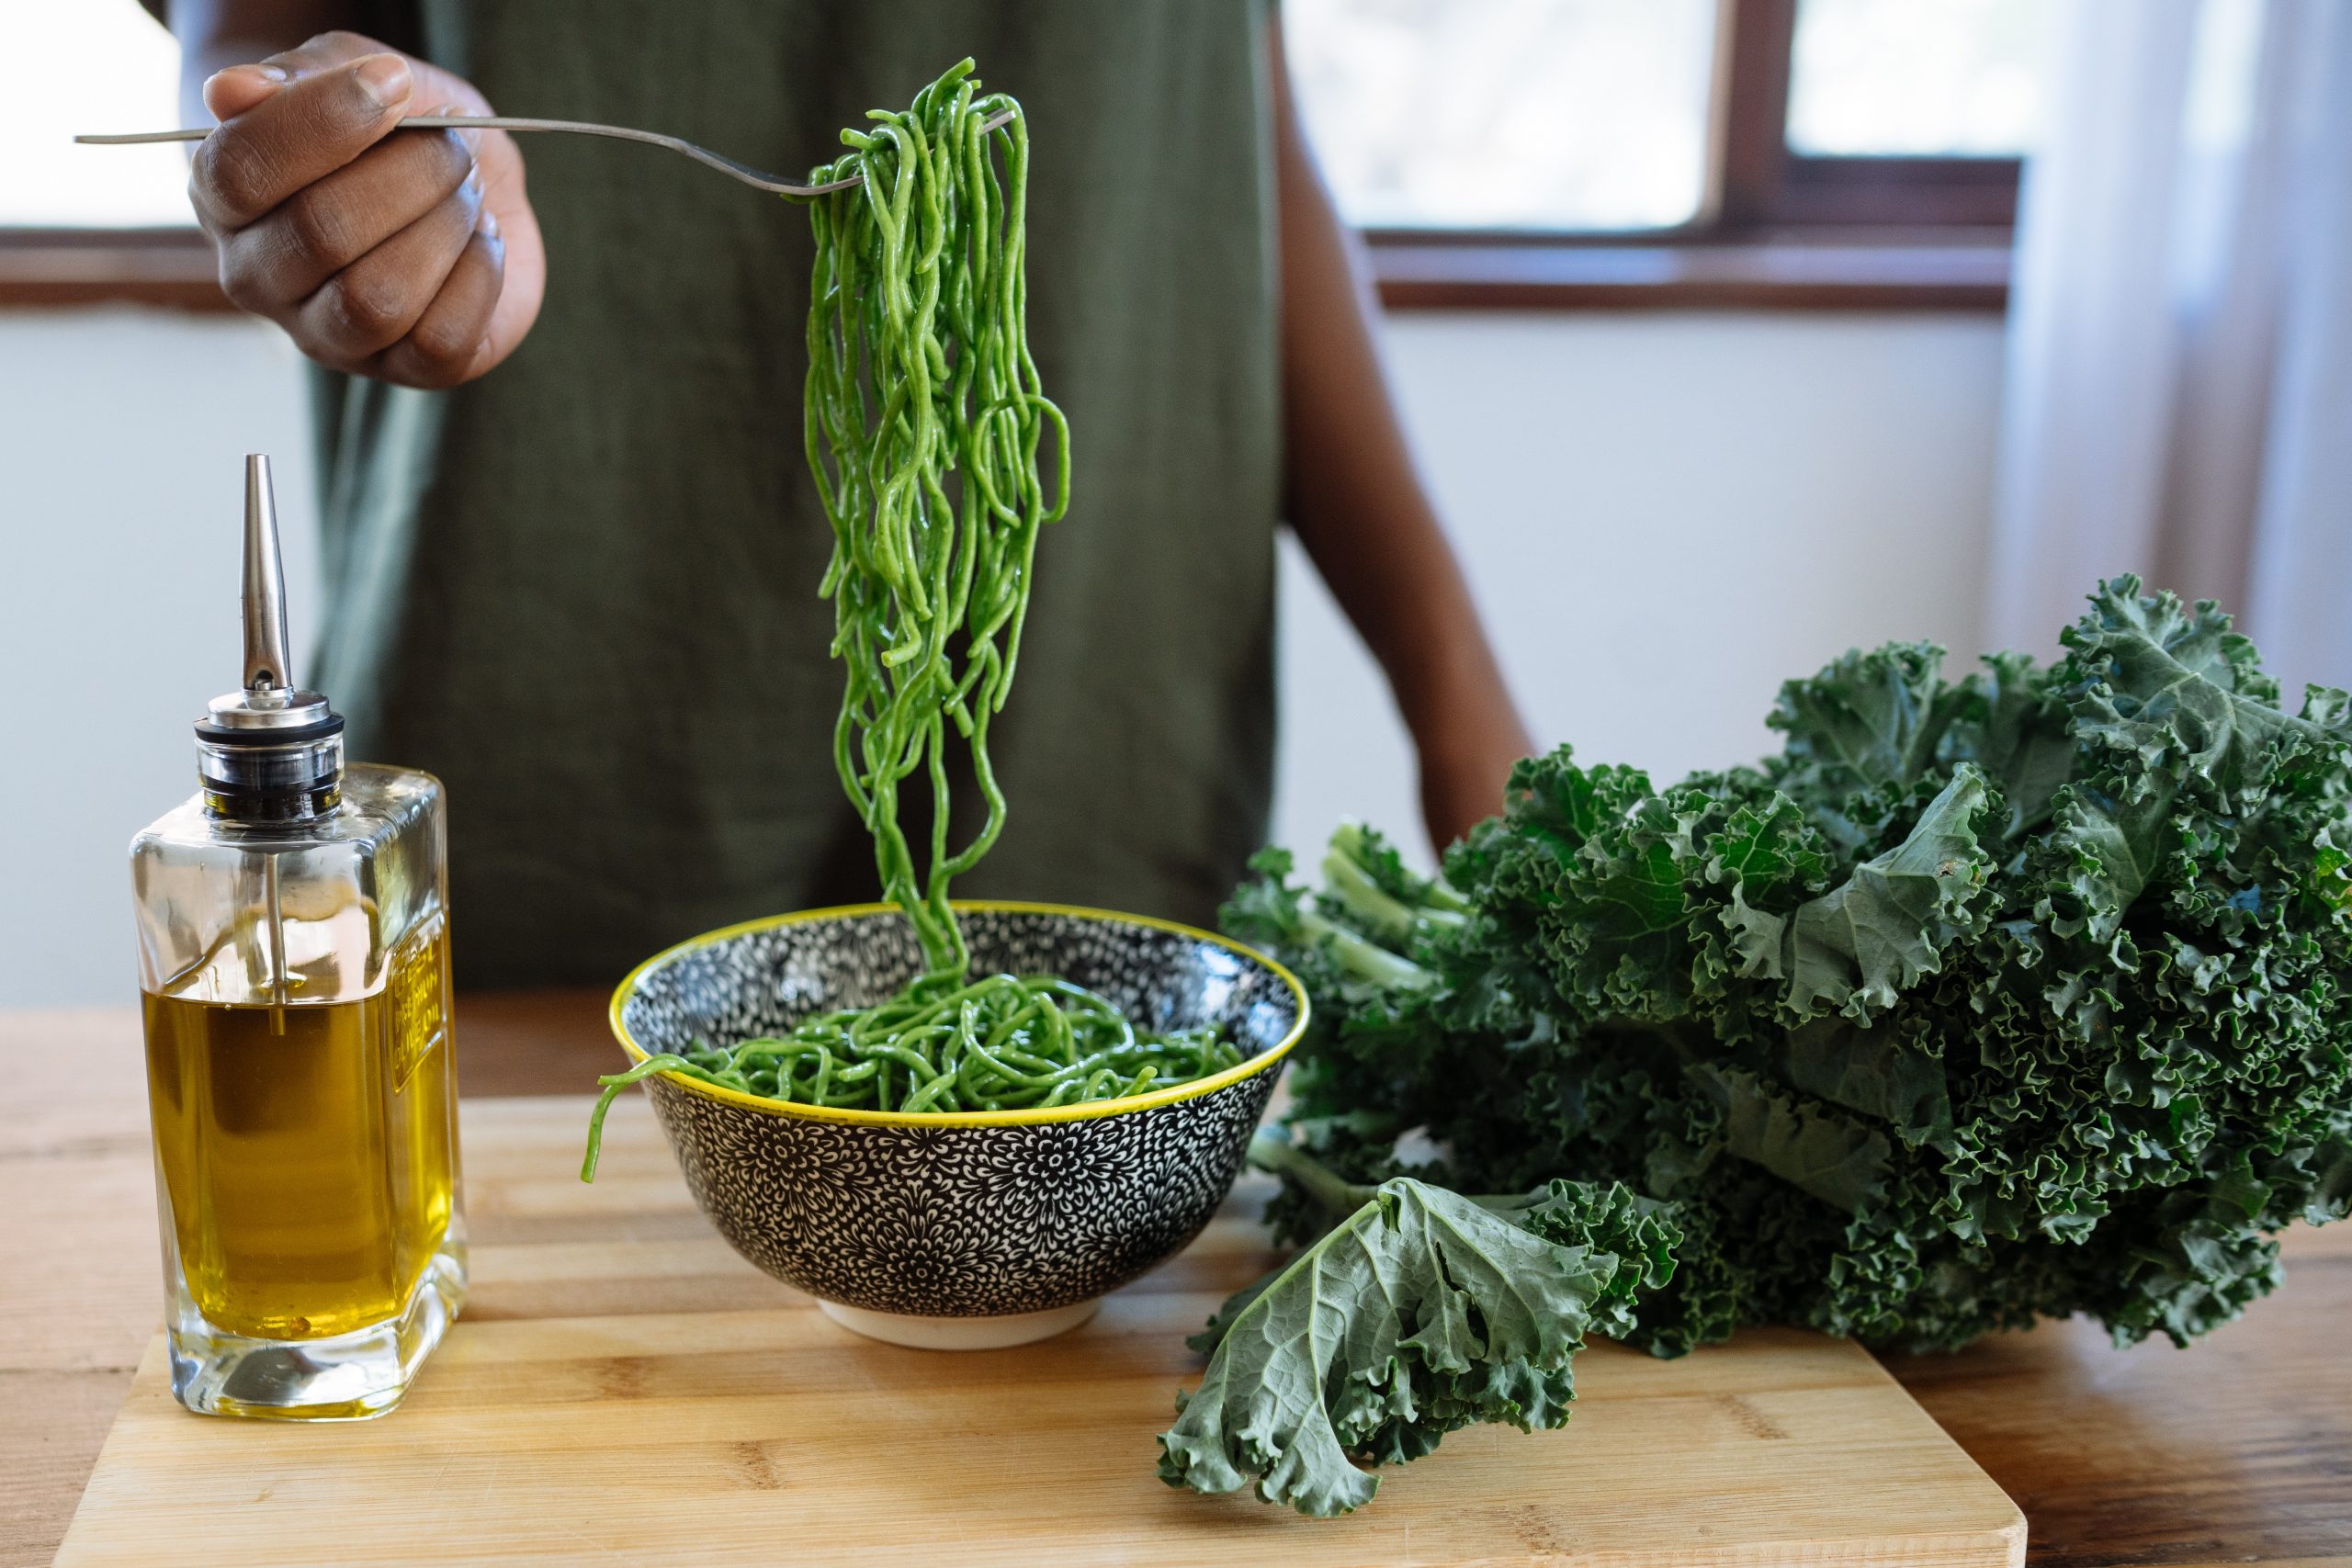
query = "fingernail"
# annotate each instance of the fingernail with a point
(472, 186)
(487, 226)
(472, 138)
(384, 78)
(272, 73)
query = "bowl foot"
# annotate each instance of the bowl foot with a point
(959, 1333)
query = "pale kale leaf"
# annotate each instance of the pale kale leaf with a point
(1421, 1312)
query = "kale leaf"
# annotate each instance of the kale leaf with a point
(2022, 994)
(1419, 1313)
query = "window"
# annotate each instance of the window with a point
(1676, 151)
(127, 79)
(1508, 114)
(1955, 78)
(83, 225)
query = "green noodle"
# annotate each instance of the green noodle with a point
(1003, 1042)
(919, 367)
(925, 425)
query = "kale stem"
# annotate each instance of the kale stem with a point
(1334, 1193)
(1337, 1196)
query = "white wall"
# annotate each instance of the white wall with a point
(122, 436)
(1664, 516)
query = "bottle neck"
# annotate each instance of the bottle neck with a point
(245, 780)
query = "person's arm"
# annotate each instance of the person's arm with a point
(412, 258)
(1358, 504)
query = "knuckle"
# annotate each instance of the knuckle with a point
(248, 287)
(441, 339)
(443, 343)
(361, 310)
(317, 229)
(231, 175)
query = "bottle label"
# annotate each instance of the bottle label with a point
(417, 992)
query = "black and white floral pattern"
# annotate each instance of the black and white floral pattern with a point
(939, 1218)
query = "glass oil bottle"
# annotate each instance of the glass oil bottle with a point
(293, 950)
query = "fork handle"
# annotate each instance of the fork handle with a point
(758, 178)
(420, 122)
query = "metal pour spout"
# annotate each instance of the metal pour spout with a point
(268, 752)
(266, 661)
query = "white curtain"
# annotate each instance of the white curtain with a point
(2178, 397)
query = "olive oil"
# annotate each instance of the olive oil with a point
(307, 1150)
(294, 968)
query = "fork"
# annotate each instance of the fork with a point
(759, 179)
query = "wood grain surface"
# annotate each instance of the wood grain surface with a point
(624, 1386)
(2239, 1451)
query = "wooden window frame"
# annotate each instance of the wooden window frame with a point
(174, 267)
(1777, 229)
(1761, 186)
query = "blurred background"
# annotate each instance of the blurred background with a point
(1732, 333)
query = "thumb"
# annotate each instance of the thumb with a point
(231, 92)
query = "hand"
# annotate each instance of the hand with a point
(412, 258)
(1466, 760)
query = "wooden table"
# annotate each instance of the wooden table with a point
(2240, 1451)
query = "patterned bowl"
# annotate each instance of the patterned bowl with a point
(970, 1229)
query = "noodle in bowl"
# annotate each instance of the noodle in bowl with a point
(961, 1229)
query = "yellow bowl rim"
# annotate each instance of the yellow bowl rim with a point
(1087, 1111)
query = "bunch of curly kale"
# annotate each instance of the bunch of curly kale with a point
(2027, 994)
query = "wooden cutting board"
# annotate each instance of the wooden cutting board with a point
(624, 1388)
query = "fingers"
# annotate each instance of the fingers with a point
(372, 303)
(452, 341)
(523, 284)
(230, 93)
(294, 136)
(233, 91)
(380, 255)
(279, 259)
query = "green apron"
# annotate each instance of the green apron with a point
(583, 590)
